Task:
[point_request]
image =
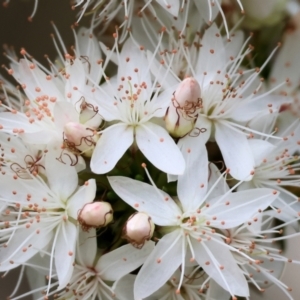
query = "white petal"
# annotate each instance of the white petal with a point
(287, 63)
(64, 112)
(130, 59)
(35, 78)
(113, 143)
(207, 11)
(235, 150)
(120, 262)
(65, 252)
(260, 149)
(166, 79)
(85, 194)
(154, 274)
(210, 61)
(35, 281)
(87, 247)
(238, 208)
(21, 239)
(192, 185)
(159, 148)
(145, 198)
(211, 256)
(11, 121)
(171, 6)
(216, 292)
(76, 79)
(124, 287)
(216, 186)
(234, 45)
(57, 173)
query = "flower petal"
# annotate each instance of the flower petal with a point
(145, 198)
(113, 143)
(14, 255)
(85, 194)
(160, 265)
(132, 59)
(159, 148)
(171, 6)
(235, 150)
(65, 252)
(87, 247)
(192, 185)
(57, 172)
(237, 208)
(120, 262)
(261, 149)
(211, 255)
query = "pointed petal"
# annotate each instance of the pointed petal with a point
(216, 292)
(159, 148)
(57, 173)
(211, 255)
(113, 143)
(171, 6)
(235, 150)
(217, 186)
(124, 287)
(85, 194)
(65, 252)
(131, 59)
(212, 57)
(207, 10)
(120, 262)
(87, 247)
(145, 198)
(260, 149)
(192, 185)
(34, 78)
(154, 273)
(238, 208)
(13, 255)
(166, 79)
(10, 121)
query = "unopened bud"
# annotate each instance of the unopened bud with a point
(95, 215)
(182, 114)
(80, 138)
(89, 115)
(138, 229)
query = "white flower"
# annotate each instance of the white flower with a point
(191, 224)
(131, 99)
(43, 216)
(277, 167)
(95, 278)
(256, 239)
(230, 98)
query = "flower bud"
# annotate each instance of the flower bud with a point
(89, 115)
(182, 114)
(81, 138)
(138, 229)
(95, 215)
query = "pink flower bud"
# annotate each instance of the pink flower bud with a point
(81, 138)
(182, 114)
(95, 215)
(138, 229)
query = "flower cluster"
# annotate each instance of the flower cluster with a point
(161, 166)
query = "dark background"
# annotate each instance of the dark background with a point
(17, 31)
